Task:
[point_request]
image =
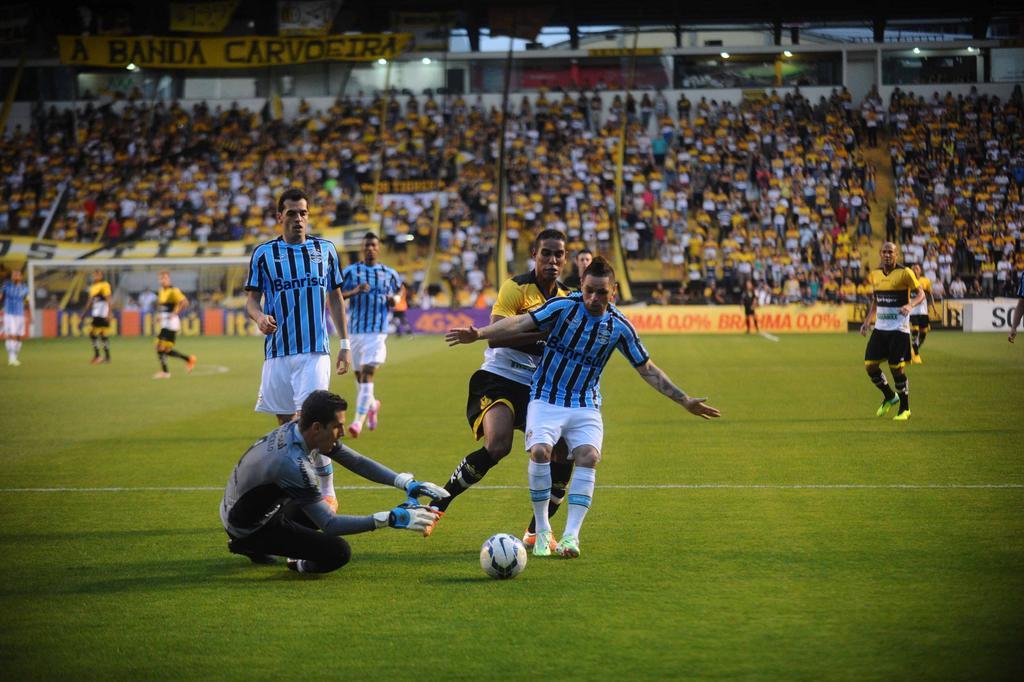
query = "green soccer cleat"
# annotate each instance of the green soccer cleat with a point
(902, 416)
(886, 405)
(542, 546)
(568, 547)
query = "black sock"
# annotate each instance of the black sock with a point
(920, 338)
(878, 379)
(176, 354)
(163, 361)
(470, 471)
(561, 472)
(95, 345)
(106, 347)
(903, 390)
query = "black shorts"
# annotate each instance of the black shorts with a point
(487, 389)
(100, 323)
(920, 322)
(167, 336)
(893, 346)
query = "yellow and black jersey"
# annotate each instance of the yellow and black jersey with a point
(99, 295)
(517, 296)
(922, 307)
(167, 306)
(893, 291)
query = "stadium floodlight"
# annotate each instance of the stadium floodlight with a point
(787, 53)
(970, 49)
(382, 61)
(131, 66)
(725, 55)
(426, 60)
(917, 50)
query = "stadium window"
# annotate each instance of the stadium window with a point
(760, 70)
(905, 67)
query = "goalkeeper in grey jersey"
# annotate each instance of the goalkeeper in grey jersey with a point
(273, 506)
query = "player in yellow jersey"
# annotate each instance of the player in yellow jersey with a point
(892, 301)
(500, 390)
(170, 304)
(98, 307)
(919, 323)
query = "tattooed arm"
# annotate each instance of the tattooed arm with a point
(660, 382)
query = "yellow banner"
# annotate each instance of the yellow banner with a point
(202, 17)
(624, 52)
(727, 319)
(165, 52)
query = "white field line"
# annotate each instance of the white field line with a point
(770, 337)
(637, 486)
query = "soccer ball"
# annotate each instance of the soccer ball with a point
(503, 556)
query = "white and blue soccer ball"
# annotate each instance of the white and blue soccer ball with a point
(503, 556)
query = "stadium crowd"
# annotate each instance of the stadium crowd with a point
(775, 190)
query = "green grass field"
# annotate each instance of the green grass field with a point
(797, 538)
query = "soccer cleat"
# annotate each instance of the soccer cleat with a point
(293, 565)
(371, 417)
(542, 543)
(902, 416)
(886, 405)
(14, 363)
(332, 502)
(354, 429)
(190, 365)
(96, 360)
(568, 547)
(530, 539)
(433, 524)
(917, 359)
(162, 375)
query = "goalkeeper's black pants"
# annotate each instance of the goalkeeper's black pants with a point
(290, 533)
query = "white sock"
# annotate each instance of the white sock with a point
(10, 350)
(540, 492)
(361, 406)
(369, 395)
(581, 492)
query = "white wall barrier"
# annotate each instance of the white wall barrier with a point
(988, 315)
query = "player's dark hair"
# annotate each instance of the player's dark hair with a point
(371, 236)
(293, 194)
(599, 267)
(547, 234)
(583, 251)
(320, 407)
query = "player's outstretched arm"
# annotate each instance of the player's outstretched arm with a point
(866, 324)
(1015, 317)
(660, 382)
(502, 331)
(416, 519)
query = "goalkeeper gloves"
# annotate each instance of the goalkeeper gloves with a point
(417, 518)
(415, 489)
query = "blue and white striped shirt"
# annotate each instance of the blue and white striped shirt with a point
(368, 310)
(578, 347)
(14, 298)
(294, 280)
(1020, 285)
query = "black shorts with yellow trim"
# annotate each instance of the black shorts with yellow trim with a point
(920, 322)
(101, 323)
(486, 390)
(166, 338)
(890, 345)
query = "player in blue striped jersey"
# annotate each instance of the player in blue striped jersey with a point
(293, 281)
(584, 329)
(1018, 311)
(369, 286)
(16, 317)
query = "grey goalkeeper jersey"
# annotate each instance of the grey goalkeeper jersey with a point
(278, 468)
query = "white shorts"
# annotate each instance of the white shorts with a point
(288, 380)
(14, 326)
(546, 423)
(368, 349)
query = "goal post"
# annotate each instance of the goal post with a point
(215, 287)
